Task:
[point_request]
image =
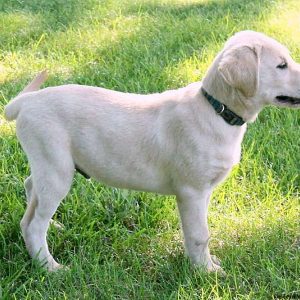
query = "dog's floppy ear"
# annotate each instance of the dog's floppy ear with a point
(239, 67)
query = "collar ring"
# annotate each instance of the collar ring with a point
(222, 109)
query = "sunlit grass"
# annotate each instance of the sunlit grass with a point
(128, 245)
(5, 127)
(285, 23)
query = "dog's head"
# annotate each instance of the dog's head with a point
(261, 69)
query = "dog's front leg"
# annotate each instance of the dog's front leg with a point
(193, 207)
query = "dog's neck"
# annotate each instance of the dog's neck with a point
(216, 86)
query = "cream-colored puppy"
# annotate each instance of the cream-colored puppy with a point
(176, 142)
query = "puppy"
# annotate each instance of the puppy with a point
(180, 142)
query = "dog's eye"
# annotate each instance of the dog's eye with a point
(283, 65)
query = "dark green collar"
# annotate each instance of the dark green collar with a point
(221, 109)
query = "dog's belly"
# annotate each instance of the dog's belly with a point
(144, 182)
(136, 181)
(152, 177)
(128, 167)
(126, 173)
(139, 184)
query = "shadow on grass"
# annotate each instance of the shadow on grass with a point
(207, 9)
(165, 35)
(57, 14)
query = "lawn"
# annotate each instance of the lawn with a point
(124, 244)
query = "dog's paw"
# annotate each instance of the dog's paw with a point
(211, 266)
(57, 225)
(214, 268)
(54, 267)
(215, 260)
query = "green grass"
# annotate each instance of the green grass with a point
(128, 245)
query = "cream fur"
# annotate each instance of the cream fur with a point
(168, 143)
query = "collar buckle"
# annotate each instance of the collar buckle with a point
(233, 121)
(221, 109)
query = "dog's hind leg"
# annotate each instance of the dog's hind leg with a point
(46, 187)
(28, 190)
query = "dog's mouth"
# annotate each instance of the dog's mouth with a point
(288, 100)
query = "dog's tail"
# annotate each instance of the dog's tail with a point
(11, 110)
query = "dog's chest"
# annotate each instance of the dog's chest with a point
(222, 164)
(211, 162)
